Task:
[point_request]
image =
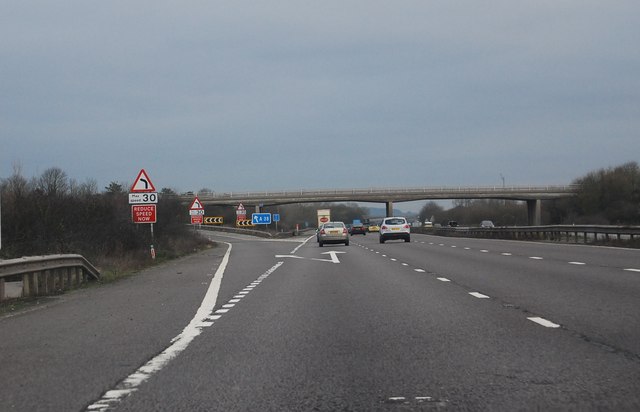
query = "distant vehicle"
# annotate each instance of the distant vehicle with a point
(427, 224)
(395, 228)
(374, 227)
(357, 228)
(487, 224)
(452, 223)
(333, 232)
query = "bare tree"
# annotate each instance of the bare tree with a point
(53, 182)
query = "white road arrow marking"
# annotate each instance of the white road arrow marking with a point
(333, 254)
(289, 256)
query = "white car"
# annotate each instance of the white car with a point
(395, 228)
(487, 224)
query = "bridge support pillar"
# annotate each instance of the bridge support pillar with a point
(389, 209)
(534, 212)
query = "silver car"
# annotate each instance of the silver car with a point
(333, 232)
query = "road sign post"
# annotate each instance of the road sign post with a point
(196, 211)
(241, 212)
(143, 199)
(276, 218)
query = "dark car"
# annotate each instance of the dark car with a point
(358, 229)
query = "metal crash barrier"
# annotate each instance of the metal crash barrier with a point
(43, 275)
(588, 234)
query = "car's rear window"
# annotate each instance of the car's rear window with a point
(395, 221)
(333, 225)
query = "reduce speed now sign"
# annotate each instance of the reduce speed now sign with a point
(143, 213)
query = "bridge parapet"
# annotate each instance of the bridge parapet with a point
(384, 195)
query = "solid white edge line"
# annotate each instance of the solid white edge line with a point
(293, 252)
(544, 322)
(178, 344)
(632, 270)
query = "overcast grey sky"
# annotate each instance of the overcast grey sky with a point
(240, 96)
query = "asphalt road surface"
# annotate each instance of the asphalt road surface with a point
(260, 325)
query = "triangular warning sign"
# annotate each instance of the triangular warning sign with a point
(142, 183)
(196, 205)
(241, 207)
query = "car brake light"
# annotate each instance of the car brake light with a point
(383, 227)
(344, 231)
(406, 226)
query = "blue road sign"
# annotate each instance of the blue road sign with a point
(276, 217)
(261, 218)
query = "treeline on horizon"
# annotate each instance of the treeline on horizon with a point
(53, 213)
(605, 197)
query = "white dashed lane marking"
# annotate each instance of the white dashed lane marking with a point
(544, 322)
(204, 317)
(538, 320)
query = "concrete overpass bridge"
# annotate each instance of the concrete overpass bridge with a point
(533, 195)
